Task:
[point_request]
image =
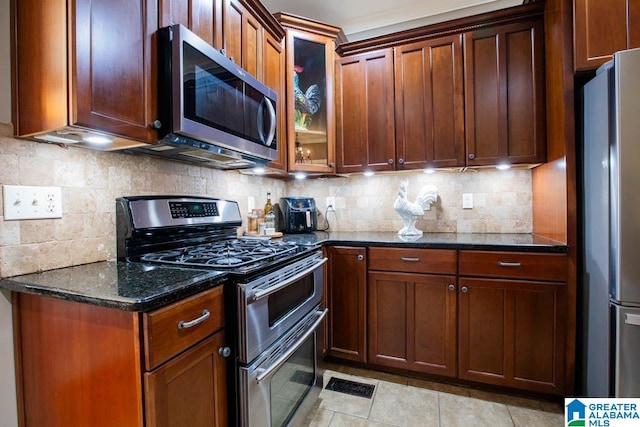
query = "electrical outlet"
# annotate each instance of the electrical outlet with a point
(27, 202)
(331, 204)
(467, 201)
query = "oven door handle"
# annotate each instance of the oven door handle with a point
(280, 361)
(261, 294)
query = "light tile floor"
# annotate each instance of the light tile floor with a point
(401, 401)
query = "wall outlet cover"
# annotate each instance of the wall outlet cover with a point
(30, 202)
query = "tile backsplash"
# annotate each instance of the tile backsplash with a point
(91, 181)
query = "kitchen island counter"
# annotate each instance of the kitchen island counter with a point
(121, 285)
(467, 241)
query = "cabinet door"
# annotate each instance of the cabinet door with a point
(430, 104)
(511, 333)
(273, 76)
(504, 95)
(346, 279)
(310, 106)
(242, 36)
(189, 389)
(412, 322)
(365, 137)
(115, 76)
(600, 29)
(203, 17)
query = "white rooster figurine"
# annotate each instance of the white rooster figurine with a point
(409, 212)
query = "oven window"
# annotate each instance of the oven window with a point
(291, 383)
(287, 299)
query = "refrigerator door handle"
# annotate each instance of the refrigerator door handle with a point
(632, 319)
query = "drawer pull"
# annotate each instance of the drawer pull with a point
(191, 323)
(464, 289)
(404, 258)
(452, 287)
(509, 264)
(360, 257)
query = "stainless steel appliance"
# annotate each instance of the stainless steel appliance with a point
(297, 215)
(272, 300)
(211, 111)
(611, 279)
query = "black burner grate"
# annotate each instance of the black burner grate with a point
(350, 387)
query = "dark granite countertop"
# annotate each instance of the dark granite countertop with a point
(474, 241)
(121, 285)
(144, 287)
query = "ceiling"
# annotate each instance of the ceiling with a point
(360, 19)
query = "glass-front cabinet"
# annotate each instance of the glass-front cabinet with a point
(310, 100)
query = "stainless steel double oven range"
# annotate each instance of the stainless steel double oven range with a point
(272, 298)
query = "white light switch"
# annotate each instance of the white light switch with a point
(467, 201)
(27, 202)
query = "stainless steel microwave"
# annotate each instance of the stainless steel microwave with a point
(211, 110)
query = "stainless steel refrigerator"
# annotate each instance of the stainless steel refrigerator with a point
(611, 200)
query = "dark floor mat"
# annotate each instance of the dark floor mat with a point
(350, 387)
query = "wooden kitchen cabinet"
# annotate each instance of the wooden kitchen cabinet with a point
(79, 364)
(310, 114)
(412, 312)
(429, 104)
(505, 94)
(202, 17)
(511, 331)
(189, 390)
(242, 37)
(602, 28)
(365, 118)
(273, 76)
(346, 300)
(88, 64)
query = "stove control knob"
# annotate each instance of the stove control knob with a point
(224, 351)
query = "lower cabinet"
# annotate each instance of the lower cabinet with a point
(412, 322)
(512, 333)
(485, 316)
(79, 364)
(189, 390)
(346, 299)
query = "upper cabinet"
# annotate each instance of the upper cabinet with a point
(242, 37)
(94, 71)
(602, 28)
(309, 84)
(273, 72)
(429, 104)
(202, 17)
(474, 96)
(505, 94)
(364, 100)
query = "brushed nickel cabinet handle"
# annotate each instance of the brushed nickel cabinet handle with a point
(191, 323)
(224, 351)
(390, 161)
(452, 287)
(509, 264)
(360, 257)
(410, 259)
(464, 289)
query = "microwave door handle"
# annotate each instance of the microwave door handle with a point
(268, 139)
(266, 292)
(280, 361)
(272, 123)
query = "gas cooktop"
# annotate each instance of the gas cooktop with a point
(235, 255)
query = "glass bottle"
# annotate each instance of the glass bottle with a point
(268, 207)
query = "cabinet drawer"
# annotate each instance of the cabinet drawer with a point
(437, 261)
(172, 329)
(513, 265)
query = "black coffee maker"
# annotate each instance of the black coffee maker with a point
(297, 215)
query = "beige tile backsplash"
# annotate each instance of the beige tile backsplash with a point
(91, 181)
